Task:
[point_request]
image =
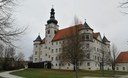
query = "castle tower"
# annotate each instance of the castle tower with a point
(87, 32)
(37, 49)
(51, 27)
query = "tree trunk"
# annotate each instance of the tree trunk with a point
(76, 69)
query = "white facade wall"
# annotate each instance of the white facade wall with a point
(50, 51)
(121, 67)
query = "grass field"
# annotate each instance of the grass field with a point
(50, 73)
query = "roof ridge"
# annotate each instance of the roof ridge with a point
(70, 26)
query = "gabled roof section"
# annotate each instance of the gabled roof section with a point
(38, 38)
(105, 39)
(60, 34)
(95, 35)
(122, 58)
(86, 26)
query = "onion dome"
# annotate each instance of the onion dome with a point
(52, 17)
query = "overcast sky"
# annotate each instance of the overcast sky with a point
(103, 16)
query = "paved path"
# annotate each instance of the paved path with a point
(97, 77)
(125, 76)
(7, 75)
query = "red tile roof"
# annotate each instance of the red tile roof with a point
(122, 58)
(67, 32)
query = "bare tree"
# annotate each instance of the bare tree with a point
(20, 60)
(72, 48)
(8, 31)
(124, 4)
(31, 57)
(105, 57)
(8, 56)
(20, 56)
(1, 51)
(114, 53)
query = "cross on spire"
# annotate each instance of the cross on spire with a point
(52, 3)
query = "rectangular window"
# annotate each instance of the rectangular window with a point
(45, 47)
(35, 59)
(56, 58)
(49, 56)
(52, 50)
(97, 49)
(56, 50)
(57, 43)
(59, 49)
(45, 54)
(68, 64)
(48, 31)
(94, 48)
(117, 68)
(123, 68)
(87, 37)
(88, 56)
(88, 64)
(60, 42)
(36, 53)
(52, 58)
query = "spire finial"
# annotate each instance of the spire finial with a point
(52, 15)
(52, 3)
(52, 6)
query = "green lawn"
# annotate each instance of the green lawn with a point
(50, 73)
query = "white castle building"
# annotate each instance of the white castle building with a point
(47, 49)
